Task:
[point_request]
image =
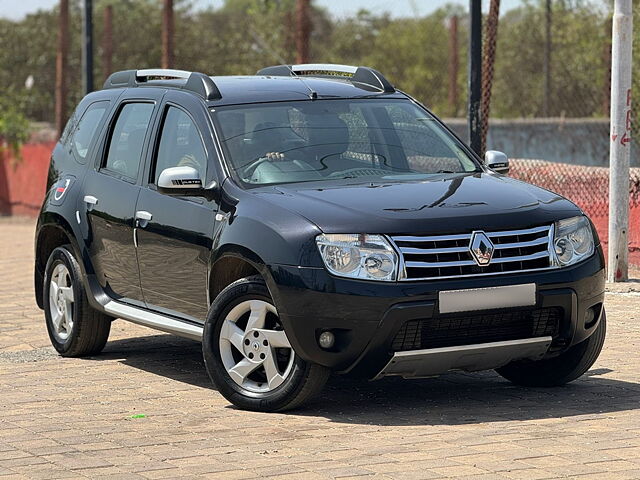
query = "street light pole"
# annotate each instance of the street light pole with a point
(87, 46)
(620, 141)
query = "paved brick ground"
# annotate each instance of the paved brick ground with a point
(72, 418)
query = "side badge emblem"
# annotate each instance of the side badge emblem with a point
(60, 191)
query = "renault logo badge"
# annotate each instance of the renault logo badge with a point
(481, 248)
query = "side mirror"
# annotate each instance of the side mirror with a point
(184, 181)
(496, 161)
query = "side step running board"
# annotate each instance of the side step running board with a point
(154, 320)
(481, 356)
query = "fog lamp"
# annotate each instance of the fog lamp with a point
(326, 339)
(589, 317)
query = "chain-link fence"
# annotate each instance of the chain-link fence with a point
(588, 187)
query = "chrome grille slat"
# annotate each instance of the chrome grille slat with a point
(461, 263)
(464, 263)
(433, 251)
(438, 238)
(532, 243)
(526, 231)
(448, 256)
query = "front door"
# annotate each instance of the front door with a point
(174, 234)
(110, 192)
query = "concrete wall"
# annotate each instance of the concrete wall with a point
(578, 141)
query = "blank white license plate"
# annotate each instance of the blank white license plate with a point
(450, 301)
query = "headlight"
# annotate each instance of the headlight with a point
(573, 240)
(369, 257)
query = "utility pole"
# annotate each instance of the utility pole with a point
(454, 63)
(475, 75)
(61, 66)
(620, 146)
(87, 46)
(167, 34)
(107, 41)
(303, 30)
(606, 60)
(488, 67)
(546, 99)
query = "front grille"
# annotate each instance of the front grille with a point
(445, 256)
(469, 329)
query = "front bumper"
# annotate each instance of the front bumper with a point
(365, 316)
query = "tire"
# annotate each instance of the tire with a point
(559, 370)
(244, 338)
(75, 328)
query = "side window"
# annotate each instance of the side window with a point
(127, 139)
(86, 130)
(180, 144)
(71, 124)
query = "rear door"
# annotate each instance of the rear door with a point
(175, 234)
(110, 193)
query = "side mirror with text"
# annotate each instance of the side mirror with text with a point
(184, 181)
(496, 161)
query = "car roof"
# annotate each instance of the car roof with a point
(263, 88)
(271, 84)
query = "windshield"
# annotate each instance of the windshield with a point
(322, 140)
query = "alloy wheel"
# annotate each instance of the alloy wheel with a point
(254, 348)
(61, 302)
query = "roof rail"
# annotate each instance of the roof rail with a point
(196, 82)
(363, 75)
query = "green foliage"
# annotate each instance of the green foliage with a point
(14, 126)
(244, 35)
(578, 68)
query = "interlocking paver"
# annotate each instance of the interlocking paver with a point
(71, 418)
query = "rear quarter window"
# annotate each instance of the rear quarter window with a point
(81, 136)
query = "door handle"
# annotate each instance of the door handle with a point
(91, 201)
(142, 217)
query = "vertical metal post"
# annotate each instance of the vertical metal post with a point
(489, 59)
(87, 46)
(61, 66)
(475, 75)
(620, 146)
(167, 34)
(107, 41)
(606, 60)
(453, 65)
(303, 30)
(546, 98)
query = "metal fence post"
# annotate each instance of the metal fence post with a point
(453, 65)
(546, 100)
(87, 46)
(620, 146)
(107, 41)
(491, 37)
(61, 66)
(475, 75)
(303, 31)
(167, 34)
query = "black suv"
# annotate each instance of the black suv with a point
(308, 219)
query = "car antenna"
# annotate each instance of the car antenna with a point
(313, 95)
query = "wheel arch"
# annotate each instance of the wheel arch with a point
(53, 231)
(233, 262)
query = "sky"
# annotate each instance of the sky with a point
(17, 9)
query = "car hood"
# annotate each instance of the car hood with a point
(445, 204)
